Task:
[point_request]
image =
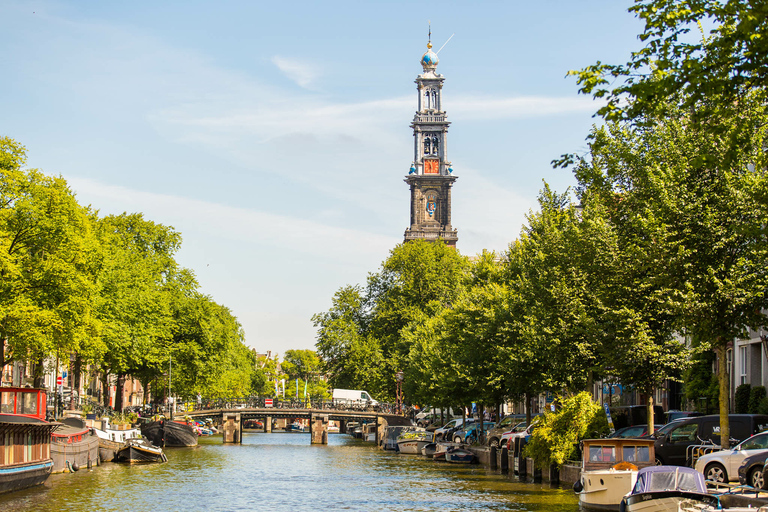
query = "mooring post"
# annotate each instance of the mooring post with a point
(319, 429)
(232, 432)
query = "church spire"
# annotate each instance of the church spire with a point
(430, 175)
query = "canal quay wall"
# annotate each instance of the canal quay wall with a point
(505, 460)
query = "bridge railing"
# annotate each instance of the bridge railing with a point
(258, 402)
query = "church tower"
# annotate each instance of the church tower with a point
(430, 177)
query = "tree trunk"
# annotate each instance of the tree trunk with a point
(722, 377)
(105, 387)
(2, 354)
(119, 392)
(651, 419)
(39, 376)
(145, 387)
(77, 370)
(72, 384)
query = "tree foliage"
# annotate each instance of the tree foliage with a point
(557, 437)
(106, 291)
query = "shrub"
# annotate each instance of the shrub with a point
(756, 395)
(762, 407)
(557, 437)
(742, 399)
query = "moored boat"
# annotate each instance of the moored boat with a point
(459, 456)
(73, 446)
(25, 438)
(429, 450)
(442, 448)
(140, 450)
(165, 433)
(391, 433)
(112, 440)
(668, 489)
(412, 442)
(609, 470)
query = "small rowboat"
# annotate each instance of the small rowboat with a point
(459, 456)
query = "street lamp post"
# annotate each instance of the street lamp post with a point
(399, 392)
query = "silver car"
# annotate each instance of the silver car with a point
(723, 465)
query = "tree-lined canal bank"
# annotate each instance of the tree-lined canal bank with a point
(284, 472)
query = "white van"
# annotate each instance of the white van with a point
(357, 396)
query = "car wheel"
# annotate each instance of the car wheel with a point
(659, 462)
(494, 443)
(457, 439)
(755, 478)
(716, 473)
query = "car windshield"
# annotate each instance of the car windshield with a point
(669, 426)
(758, 442)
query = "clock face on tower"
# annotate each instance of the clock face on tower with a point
(431, 166)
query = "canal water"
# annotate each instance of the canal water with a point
(283, 472)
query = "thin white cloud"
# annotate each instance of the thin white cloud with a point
(302, 73)
(476, 107)
(238, 224)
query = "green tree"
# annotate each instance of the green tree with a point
(47, 250)
(694, 220)
(557, 437)
(418, 279)
(133, 305)
(351, 358)
(555, 275)
(301, 364)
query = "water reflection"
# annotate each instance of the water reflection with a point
(284, 472)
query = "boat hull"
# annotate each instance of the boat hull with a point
(83, 453)
(667, 501)
(604, 489)
(108, 449)
(459, 457)
(137, 453)
(14, 477)
(169, 433)
(429, 450)
(411, 446)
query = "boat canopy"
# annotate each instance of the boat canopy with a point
(669, 478)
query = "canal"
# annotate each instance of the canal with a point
(283, 472)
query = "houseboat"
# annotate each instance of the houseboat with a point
(112, 438)
(25, 438)
(73, 446)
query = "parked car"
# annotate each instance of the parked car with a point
(522, 430)
(469, 432)
(676, 415)
(440, 433)
(629, 415)
(430, 415)
(506, 423)
(634, 431)
(673, 439)
(723, 465)
(751, 470)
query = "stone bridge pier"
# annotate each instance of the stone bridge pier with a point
(232, 429)
(319, 426)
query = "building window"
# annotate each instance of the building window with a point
(743, 364)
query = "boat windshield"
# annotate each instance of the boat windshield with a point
(668, 478)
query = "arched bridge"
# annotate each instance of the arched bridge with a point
(232, 416)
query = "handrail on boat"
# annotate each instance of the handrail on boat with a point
(732, 488)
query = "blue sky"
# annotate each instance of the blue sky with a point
(275, 135)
